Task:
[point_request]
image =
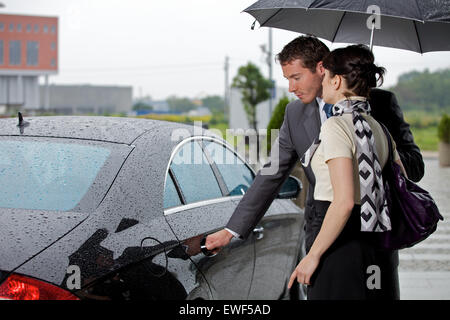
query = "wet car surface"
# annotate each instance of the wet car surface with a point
(116, 208)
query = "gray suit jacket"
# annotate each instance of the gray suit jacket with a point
(300, 127)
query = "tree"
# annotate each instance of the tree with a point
(142, 106)
(215, 103)
(277, 119)
(426, 91)
(255, 89)
(180, 104)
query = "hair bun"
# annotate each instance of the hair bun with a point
(356, 64)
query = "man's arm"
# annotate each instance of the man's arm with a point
(387, 111)
(261, 193)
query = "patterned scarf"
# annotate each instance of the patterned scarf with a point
(374, 210)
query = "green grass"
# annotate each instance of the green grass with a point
(222, 126)
(426, 138)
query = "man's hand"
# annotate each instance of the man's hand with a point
(217, 240)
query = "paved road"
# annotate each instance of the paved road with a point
(425, 269)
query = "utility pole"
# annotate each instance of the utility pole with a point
(227, 89)
(47, 94)
(268, 60)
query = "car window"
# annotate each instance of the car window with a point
(194, 174)
(46, 175)
(171, 198)
(237, 176)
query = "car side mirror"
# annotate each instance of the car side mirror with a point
(290, 189)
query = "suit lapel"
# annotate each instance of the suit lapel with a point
(311, 122)
(311, 125)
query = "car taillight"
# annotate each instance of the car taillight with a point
(18, 287)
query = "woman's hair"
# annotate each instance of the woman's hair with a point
(356, 64)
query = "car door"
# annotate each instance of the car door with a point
(205, 208)
(276, 237)
(277, 247)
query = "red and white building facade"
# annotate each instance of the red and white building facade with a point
(28, 50)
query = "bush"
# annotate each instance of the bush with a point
(444, 129)
(277, 119)
(422, 119)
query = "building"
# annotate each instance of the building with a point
(28, 50)
(83, 99)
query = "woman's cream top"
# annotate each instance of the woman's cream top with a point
(338, 140)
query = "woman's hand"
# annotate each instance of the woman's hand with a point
(304, 270)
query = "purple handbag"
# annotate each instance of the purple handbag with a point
(413, 212)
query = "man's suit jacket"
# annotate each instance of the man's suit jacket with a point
(300, 127)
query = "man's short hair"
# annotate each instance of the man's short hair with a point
(308, 49)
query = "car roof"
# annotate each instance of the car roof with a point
(109, 129)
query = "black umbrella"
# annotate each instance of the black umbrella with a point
(416, 25)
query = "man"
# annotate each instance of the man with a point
(301, 62)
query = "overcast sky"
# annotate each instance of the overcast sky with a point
(176, 47)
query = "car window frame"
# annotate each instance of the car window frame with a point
(227, 191)
(216, 172)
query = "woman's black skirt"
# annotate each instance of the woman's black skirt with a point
(353, 267)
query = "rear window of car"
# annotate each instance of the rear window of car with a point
(50, 175)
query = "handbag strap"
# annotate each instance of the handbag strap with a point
(388, 137)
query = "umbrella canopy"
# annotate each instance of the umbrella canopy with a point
(416, 25)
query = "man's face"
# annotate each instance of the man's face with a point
(305, 84)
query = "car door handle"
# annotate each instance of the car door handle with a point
(204, 250)
(259, 231)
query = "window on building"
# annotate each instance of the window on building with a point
(2, 26)
(32, 53)
(36, 28)
(45, 28)
(14, 53)
(19, 27)
(11, 27)
(53, 46)
(53, 29)
(1, 52)
(28, 27)
(53, 62)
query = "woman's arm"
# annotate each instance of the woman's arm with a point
(338, 213)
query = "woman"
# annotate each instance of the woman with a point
(343, 262)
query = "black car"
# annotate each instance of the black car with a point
(117, 208)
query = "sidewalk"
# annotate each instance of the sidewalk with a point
(429, 154)
(424, 285)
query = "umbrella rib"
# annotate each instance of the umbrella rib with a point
(339, 25)
(418, 38)
(262, 24)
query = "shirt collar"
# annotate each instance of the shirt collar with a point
(320, 102)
